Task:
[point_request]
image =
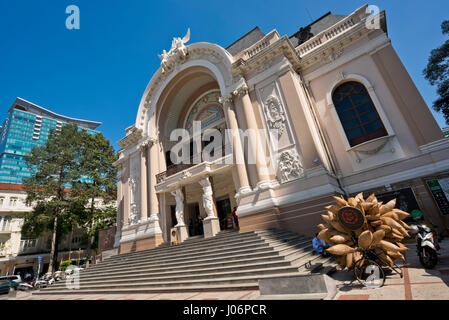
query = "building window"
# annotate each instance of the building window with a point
(27, 244)
(5, 223)
(13, 202)
(2, 200)
(357, 113)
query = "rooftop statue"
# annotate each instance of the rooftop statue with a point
(178, 51)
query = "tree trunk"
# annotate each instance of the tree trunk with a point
(55, 260)
(70, 244)
(53, 245)
(89, 237)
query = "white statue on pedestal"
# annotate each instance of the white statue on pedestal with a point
(179, 211)
(207, 198)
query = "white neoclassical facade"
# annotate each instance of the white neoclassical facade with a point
(335, 112)
(19, 254)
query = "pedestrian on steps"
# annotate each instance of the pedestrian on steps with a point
(236, 218)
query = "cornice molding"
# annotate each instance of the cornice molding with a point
(133, 136)
(282, 46)
(330, 44)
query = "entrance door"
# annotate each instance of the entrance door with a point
(193, 220)
(173, 216)
(223, 210)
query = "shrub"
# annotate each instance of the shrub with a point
(64, 265)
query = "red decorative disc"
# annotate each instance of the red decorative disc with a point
(351, 218)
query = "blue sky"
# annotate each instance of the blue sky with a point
(101, 71)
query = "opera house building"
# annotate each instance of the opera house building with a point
(274, 126)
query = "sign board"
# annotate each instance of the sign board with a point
(440, 193)
(405, 201)
(351, 218)
(39, 259)
(174, 236)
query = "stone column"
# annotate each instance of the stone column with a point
(152, 199)
(211, 224)
(238, 155)
(120, 207)
(125, 192)
(143, 183)
(251, 124)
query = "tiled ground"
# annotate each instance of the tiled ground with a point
(417, 284)
(235, 295)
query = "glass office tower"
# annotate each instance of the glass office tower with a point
(26, 126)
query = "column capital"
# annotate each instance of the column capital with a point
(147, 144)
(241, 91)
(227, 100)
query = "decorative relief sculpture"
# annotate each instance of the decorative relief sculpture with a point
(133, 215)
(275, 114)
(334, 55)
(289, 166)
(177, 53)
(179, 211)
(207, 198)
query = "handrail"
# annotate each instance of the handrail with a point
(331, 32)
(175, 168)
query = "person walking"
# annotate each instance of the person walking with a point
(236, 218)
(319, 246)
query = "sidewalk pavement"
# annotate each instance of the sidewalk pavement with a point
(416, 284)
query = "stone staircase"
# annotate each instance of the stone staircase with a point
(230, 261)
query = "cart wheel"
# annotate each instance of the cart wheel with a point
(369, 273)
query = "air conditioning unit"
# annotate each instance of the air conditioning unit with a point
(174, 236)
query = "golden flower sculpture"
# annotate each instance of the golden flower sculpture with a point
(359, 223)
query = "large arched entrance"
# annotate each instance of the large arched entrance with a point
(196, 189)
(194, 84)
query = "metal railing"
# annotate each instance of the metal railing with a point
(190, 162)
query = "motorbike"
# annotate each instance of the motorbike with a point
(426, 246)
(25, 286)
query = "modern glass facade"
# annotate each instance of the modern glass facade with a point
(26, 126)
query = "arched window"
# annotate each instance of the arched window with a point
(357, 113)
(208, 110)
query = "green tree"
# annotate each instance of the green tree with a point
(97, 157)
(437, 72)
(54, 168)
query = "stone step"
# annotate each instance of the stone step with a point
(254, 247)
(286, 248)
(178, 251)
(278, 247)
(229, 261)
(191, 241)
(185, 283)
(234, 238)
(222, 248)
(236, 287)
(189, 276)
(326, 261)
(201, 269)
(199, 264)
(162, 271)
(262, 248)
(264, 252)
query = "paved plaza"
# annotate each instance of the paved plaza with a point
(417, 284)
